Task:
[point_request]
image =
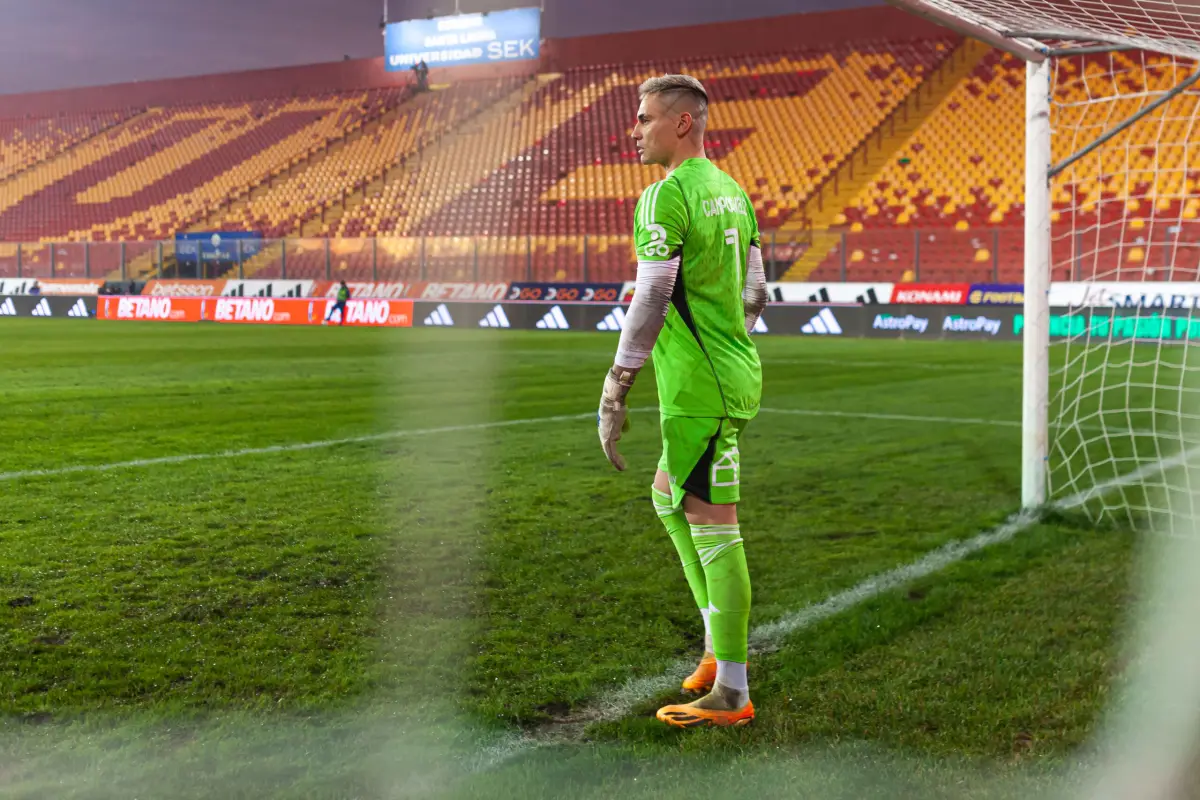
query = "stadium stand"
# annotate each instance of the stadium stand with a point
(353, 164)
(539, 165)
(150, 176)
(951, 202)
(532, 175)
(544, 169)
(24, 143)
(554, 162)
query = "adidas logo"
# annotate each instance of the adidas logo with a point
(440, 317)
(868, 298)
(554, 320)
(42, 309)
(823, 324)
(7, 309)
(79, 309)
(614, 321)
(761, 327)
(496, 318)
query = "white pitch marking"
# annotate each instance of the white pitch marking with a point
(401, 434)
(768, 636)
(284, 448)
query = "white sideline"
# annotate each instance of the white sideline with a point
(769, 636)
(801, 412)
(285, 448)
(401, 434)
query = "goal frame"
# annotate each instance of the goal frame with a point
(1035, 373)
(1033, 47)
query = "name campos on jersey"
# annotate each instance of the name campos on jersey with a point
(724, 205)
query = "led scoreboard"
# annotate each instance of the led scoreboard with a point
(513, 35)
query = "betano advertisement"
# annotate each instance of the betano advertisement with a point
(255, 310)
(490, 38)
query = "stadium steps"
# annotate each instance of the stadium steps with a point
(415, 165)
(332, 217)
(353, 204)
(454, 156)
(876, 154)
(334, 212)
(323, 225)
(319, 227)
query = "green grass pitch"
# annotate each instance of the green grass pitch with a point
(390, 616)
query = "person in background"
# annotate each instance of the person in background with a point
(343, 295)
(35, 288)
(422, 72)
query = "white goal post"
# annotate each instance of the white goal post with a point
(1108, 198)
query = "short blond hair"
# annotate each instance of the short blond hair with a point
(676, 88)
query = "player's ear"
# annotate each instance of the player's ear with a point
(684, 126)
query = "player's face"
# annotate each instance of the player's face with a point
(654, 132)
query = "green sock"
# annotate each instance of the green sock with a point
(680, 532)
(728, 581)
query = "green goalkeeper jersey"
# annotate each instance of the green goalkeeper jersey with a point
(704, 361)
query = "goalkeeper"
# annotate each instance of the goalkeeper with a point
(700, 290)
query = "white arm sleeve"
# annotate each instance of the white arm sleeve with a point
(647, 312)
(754, 296)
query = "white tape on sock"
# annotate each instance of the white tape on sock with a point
(733, 675)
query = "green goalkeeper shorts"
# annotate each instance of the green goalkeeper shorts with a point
(700, 456)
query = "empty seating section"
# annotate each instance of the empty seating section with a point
(542, 168)
(165, 168)
(288, 203)
(555, 160)
(1133, 204)
(536, 177)
(238, 160)
(962, 159)
(952, 200)
(26, 142)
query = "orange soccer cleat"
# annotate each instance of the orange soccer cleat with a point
(704, 677)
(690, 716)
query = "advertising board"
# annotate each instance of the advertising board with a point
(44, 286)
(463, 39)
(48, 306)
(566, 292)
(255, 310)
(215, 249)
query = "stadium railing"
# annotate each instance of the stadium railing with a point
(902, 254)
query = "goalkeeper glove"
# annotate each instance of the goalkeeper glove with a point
(612, 419)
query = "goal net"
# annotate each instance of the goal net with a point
(1112, 247)
(1125, 245)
